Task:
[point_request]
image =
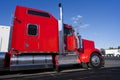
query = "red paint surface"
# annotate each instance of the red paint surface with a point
(45, 41)
(70, 43)
(88, 49)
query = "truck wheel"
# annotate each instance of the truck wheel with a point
(85, 65)
(117, 55)
(95, 61)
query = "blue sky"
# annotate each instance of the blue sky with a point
(100, 18)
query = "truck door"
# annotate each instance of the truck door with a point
(70, 40)
(31, 42)
(70, 57)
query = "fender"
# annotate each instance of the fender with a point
(85, 56)
(88, 49)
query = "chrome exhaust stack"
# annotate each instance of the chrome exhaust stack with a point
(61, 12)
(61, 30)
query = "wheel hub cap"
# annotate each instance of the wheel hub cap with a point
(95, 60)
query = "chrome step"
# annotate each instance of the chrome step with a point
(64, 59)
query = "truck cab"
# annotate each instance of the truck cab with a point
(38, 40)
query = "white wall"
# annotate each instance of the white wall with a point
(4, 38)
(114, 52)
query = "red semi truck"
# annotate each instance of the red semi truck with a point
(38, 41)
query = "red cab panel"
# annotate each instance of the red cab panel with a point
(88, 44)
(34, 30)
(70, 43)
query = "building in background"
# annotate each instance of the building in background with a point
(112, 52)
(4, 38)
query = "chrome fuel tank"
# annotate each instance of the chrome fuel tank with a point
(25, 62)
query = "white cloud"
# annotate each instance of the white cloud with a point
(73, 18)
(79, 16)
(84, 26)
(75, 22)
(76, 18)
(78, 23)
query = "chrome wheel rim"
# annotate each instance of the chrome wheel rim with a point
(95, 60)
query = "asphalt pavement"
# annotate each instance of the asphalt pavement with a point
(111, 71)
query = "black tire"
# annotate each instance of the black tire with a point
(95, 61)
(117, 55)
(85, 65)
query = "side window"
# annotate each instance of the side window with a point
(67, 31)
(38, 13)
(32, 30)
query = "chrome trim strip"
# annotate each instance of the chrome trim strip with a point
(25, 59)
(39, 59)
